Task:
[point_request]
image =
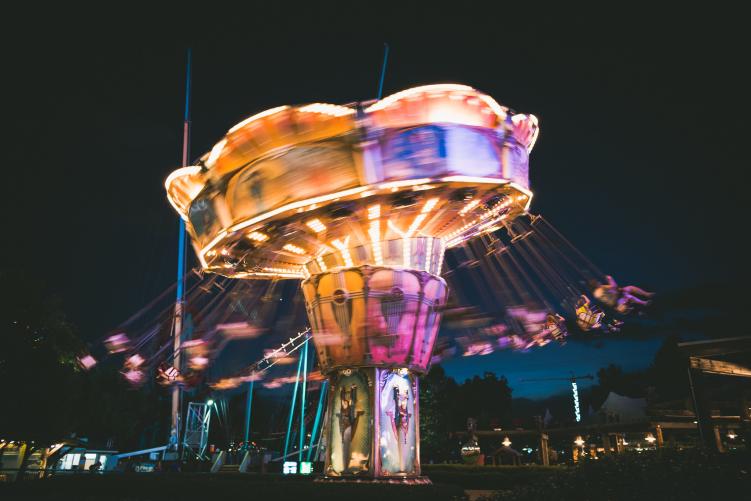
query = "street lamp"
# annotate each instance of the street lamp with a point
(506, 442)
(732, 435)
(650, 438)
(209, 402)
(579, 441)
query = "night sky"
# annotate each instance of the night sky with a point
(636, 161)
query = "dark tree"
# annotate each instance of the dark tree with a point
(37, 364)
(438, 415)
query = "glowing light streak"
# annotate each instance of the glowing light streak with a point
(320, 262)
(257, 236)
(429, 205)
(295, 249)
(374, 213)
(342, 246)
(401, 184)
(316, 225)
(216, 151)
(192, 189)
(327, 109)
(296, 205)
(395, 228)
(415, 224)
(440, 257)
(474, 179)
(470, 205)
(257, 116)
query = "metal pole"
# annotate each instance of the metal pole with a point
(699, 422)
(292, 407)
(383, 69)
(177, 334)
(302, 401)
(248, 409)
(317, 421)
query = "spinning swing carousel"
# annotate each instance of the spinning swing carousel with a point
(360, 203)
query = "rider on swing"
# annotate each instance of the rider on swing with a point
(622, 299)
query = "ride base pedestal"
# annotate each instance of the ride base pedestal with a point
(372, 430)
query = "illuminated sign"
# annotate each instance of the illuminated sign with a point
(291, 468)
(577, 412)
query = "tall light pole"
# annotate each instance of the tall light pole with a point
(178, 323)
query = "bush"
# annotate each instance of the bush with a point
(490, 477)
(664, 475)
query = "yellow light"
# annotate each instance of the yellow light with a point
(177, 174)
(297, 205)
(473, 179)
(316, 225)
(256, 117)
(257, 236)
(342, 246)
(470, 205)
(579, 441)
(506, 442)
(429, 205)
(455, 91)
(415, 224)
(216, 151)
(440, 257)
(422, 187)
(323, 266)
(374, 212)
(294, 248)
(395, 228)
(401, 184)
(327, 109)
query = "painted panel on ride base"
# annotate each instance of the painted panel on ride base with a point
(350, 430)
(397, 444)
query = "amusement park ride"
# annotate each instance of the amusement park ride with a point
(360, 203)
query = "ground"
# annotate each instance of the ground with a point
(664, 476)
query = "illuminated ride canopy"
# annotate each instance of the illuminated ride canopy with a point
(360, 202)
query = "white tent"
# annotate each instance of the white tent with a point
(620, 409)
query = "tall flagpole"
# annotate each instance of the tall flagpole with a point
(177, 334)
